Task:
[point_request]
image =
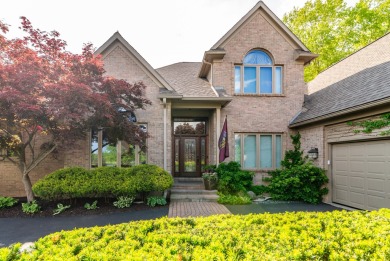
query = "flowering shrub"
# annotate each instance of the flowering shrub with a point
(338, 235)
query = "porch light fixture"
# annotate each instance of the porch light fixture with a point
(313, 153)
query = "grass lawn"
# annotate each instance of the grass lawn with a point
(337, 235)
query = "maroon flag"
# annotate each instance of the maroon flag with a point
(223, 143)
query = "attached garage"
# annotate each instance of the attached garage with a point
(361, 174)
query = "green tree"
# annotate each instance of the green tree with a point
(334, 30)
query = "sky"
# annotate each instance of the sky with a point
(162, 31)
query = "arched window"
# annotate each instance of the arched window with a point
(258, 75)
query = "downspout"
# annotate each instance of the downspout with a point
(165, 133)
(211, 65)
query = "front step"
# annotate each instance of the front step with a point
(188, 183)
(191, 190)
(194, 198)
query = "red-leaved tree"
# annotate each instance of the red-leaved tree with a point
(49, 93)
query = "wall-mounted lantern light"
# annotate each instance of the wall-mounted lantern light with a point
(313, 153)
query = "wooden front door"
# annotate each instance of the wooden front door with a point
(190, 155)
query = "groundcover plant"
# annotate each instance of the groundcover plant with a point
(338, 235)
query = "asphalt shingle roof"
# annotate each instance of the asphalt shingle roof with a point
(183, 77)
(366, 86)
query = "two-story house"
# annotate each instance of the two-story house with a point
(253, 77)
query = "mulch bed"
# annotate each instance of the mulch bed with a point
(105, 206)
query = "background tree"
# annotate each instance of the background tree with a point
(184, 128)
(333, 30)
(47, 93)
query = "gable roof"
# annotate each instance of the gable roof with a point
(364, 89)
(117, 37)
(302, 53)
(183, 77)
(259, 5)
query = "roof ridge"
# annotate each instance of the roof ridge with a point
(175, 64)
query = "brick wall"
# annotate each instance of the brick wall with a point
(11, 178)
(121, 64)
(259, 113)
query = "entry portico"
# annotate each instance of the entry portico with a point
(195, 118)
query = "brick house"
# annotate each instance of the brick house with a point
(253, 76)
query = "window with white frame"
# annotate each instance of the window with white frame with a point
(258, 75)
(106, 153)
(258, 151)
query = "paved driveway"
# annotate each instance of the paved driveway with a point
(30, 229)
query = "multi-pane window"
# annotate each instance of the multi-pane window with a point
(104, 153)
(258, 75)
(258, 151)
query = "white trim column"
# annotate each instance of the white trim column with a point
(218, 132)
(165, 133)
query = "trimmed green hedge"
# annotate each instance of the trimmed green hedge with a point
(107, 182)
(338, 235)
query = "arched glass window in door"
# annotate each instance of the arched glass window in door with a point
(258, 75)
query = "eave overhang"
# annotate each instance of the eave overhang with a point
(303, 56)
(208, 59)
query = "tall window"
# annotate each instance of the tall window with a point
(258, 151)
(258, 75)
(104, 153)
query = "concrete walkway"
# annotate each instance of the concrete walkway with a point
(196, 209)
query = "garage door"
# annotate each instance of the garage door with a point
(361, 174)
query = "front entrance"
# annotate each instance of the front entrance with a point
(190, 148)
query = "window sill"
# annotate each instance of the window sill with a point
(259, 95)
(259, 170)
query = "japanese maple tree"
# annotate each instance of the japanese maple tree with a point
(49, 94)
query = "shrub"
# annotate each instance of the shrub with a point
(155, 200)
(234, 199)
(231, 179)
(297, 179)
(337, 235)
(147, 178)
(302, 182)
(60, 208)
(91, 206)
(294, 157)
(30, 207)
(124, 202)
(7, 202)
(64, 183)
(259, 189)
(108, 182)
